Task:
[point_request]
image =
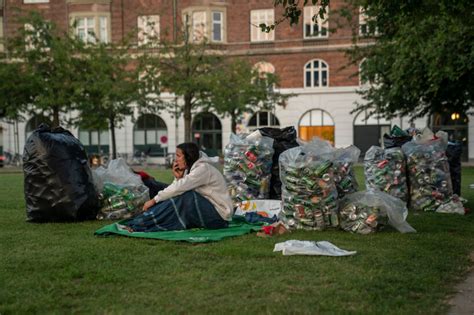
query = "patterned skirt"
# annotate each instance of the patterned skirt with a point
(186, 211)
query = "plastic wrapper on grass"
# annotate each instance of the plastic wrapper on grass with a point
(58, 181)
(344, 176)
(309, 193)
(121, 202)
(428, 170)
(385, 170)
(366, 212)
(248, 167)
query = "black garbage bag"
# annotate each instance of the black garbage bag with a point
(58, 181)
(284, 139)
(453, 152)
(396, 138)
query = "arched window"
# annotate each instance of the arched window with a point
(207, 133)
(316, 74)
(150, 135)
(264, 67)
(263, 119)
(95, 141)
(34, 123)
(316, 122)
(369, 131)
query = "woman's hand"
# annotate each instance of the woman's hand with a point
(177, 172)
(150, 203)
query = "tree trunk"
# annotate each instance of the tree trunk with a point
(187, 118)
(112, 131)
(233, 118)
(55, 116)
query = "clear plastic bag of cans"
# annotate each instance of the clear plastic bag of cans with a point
(366, 212)
(121, 202)
(248, 166)
(309, 194)
(344, 176)
(428, 170)
(385, 170)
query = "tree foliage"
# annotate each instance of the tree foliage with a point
(239, 88)
(420, 56)
(45, 60)
(185, 69)
(422, 59)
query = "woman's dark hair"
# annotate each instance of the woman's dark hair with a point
(191, 153)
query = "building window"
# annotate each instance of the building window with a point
(35, 1)
(89, 27)
(148, 29)
(217, 26)
(314, 27)
(150, 135)
(205, 23)
(264, 69)
(258, 17)
(316, 74)
(95, 141)
(316, 123)
(207, 132)
(366, 24)
(263, 119)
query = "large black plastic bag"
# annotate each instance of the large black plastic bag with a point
(453, 152)
(284, 139)
(58, 180)
(396, 138)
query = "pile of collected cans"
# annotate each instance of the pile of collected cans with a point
(428, 169)
(361, 218)
(121, 202)
(309, 194)
(344, 176)
(385, 170)
(247, 167)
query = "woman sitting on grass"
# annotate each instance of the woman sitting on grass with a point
(197, 198)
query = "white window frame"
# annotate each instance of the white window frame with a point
(322, 25)
(257, 119)
(35, 1)
(258, 17)
(217, 24)
(320, 70)
(1, 34)
(101, 26)
(206, 24)
(364, 23)
(148, 28)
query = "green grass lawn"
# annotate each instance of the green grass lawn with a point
(64, 268)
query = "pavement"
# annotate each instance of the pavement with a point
(462, 302)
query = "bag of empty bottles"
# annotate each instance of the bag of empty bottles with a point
(344, 176)
(385, 170)
(366, 212)
(121, 202)
(121, 191)
(309, 193)
(248, 166)
(428, 171)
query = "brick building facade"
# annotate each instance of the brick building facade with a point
(309, 58)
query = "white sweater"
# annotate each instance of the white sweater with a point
(206, 180)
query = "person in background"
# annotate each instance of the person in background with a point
(197, 198)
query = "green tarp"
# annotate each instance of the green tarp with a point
(238, 226)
